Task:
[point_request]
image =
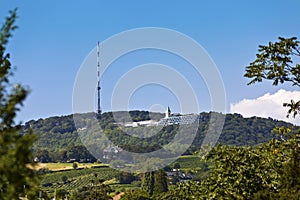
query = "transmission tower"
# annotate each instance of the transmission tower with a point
(98, 81)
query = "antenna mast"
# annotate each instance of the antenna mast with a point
(98, 80)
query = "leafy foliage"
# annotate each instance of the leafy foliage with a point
(96, 192)
(16, 179)
(136, 195)
(288, 154)
(148, 182)
(65, 144)
(75, 165)
(267, 171)
(126, 178)
(294, 108)
(189, 191)
(240, 172)
(276, 62)
(160, 182)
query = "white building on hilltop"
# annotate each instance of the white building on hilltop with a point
(171, 119)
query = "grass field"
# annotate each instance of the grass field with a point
(189, 162)
(64, 166)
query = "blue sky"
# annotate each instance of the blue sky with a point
(54, 37)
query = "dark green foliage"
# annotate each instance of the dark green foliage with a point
(136, 195)
(43, 156)
(75, 153)
(139, 116)
(54, 134)
(240, 172)
(275, 62)
(79, 153)
(294, 108)
(278, 62)
(283, 195)
(62, 146)
(16, 179)
(60, 194)
(160, 182)
(176, 165)
(291, 168)
(155, 182)
(148, 182)
(288, 153)
(64, 179)
(95, 192)
(188, 191)
(126, 178)
(268, 171)
(75, 165)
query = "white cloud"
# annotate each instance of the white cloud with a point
(268, 105)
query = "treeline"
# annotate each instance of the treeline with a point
(71, 154)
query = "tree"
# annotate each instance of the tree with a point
(136, 195)
(126, 178)
(190, 190)
(148, 182)
(240, 172)
(276, 62)
(160, 182)
(155, 182)
(80, 153)
(60, 194)
(75, 165)
(177, 165)
(43, 156)
(16, 179)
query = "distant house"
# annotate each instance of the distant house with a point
(176, 174)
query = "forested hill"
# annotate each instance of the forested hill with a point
(59, 133)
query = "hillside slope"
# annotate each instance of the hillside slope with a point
(56, 134)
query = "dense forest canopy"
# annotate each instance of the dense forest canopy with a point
(58, 136)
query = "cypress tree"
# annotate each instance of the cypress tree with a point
(160, 182)
(148, 182)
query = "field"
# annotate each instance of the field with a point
(189, 162)
(64, 166)
(73, 179)
(63, 176)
